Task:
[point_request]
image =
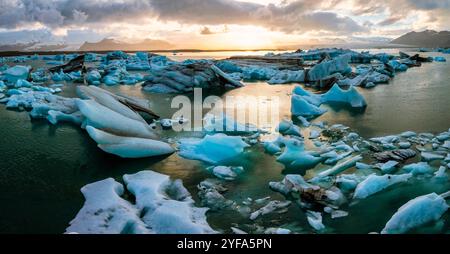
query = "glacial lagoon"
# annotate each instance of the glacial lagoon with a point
(43, 167)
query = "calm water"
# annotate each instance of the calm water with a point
(43, 167)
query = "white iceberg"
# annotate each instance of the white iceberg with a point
(162, 206)
(212, 148)
(417, 212)
(226, 173)
(167, 207)
(128, 147)
(103, 118)
(375, 183)
(315, 220)
(271, 207)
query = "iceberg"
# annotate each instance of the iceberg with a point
(427, 156)
(326, 68)
(54, 117)
(287, 127)
(288, 76)
(417, 212)
(226, 173)
(162, 206)
(440, 59)
(271, 207)
(350, 96)
(418, 168)
(11, 75)
(166, 205)
(374, 184)
(104, 98)
(295, 155)
(300, 107)
(105, 212)
(128, 147)
(315, 220)
(103, 118)
(212, 149)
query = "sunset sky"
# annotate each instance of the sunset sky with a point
(218, 24)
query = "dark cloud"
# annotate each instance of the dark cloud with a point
(206, 31)
(290, 16)
(390, 21)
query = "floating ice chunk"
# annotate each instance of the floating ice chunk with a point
(258, 73)
(404, 145)
(313, 134)
(385, 140)
(103, 118)
(274, 147)
(350, 96)
(277, 231)
(441, 173)
(167, 207)
(338, 168)
(54, 117)
(439, 59)
(288, 76)
(415, 213)
(418, 168)
(11, 75)
(212, 148)
(446, 144)
(210, 195)
(408, 134)
(226, 173)
(106, 99)
(360, 165)
(287, 127)
(326, 68)
(374, 184)
(427, 156)
(291, 183)
(295, 155)
(238, 231)
(335, 214)
(93, 77)
(303, 121)
(315, 220)
(333, 157)
(300, 107)
(128, 147)
(311, 98)
(388, 166)
(3, 87)
(22, 83)
(348, 182)
(105, 212)
(271, 207)
(224, 123)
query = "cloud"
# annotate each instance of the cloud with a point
(206, 31)
(289, 16)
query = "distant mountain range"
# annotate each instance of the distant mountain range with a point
(111, 44)
(427, 38)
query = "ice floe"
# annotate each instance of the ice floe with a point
(374, 184)
(212, 148)
(416, 212)
(162, 206)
